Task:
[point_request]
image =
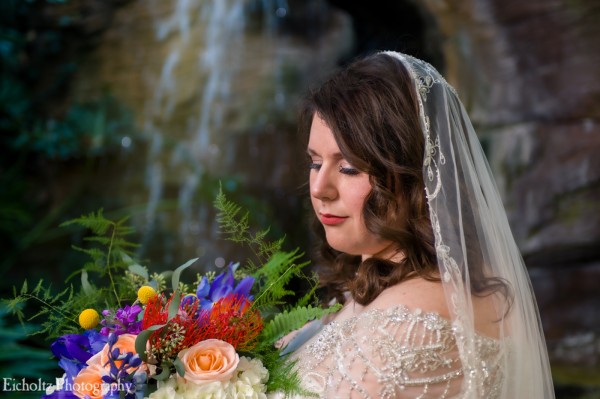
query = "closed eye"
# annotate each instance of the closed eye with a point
(349, 171)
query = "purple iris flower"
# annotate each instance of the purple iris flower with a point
(123, 321)
(223, 285)
(72, 347)
(73, 350)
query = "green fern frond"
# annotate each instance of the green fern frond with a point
(269, 248)
(274, 276)
(94, 253)
(236, 228)
(311, 295)
(112, 253)
(283, 374)
(291, 320)
(55, 308)
(108, 256)
(93, 221)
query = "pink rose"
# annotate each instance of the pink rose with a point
(209, 360)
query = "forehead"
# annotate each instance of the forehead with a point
(321, 138)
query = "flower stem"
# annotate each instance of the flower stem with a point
(108, 266)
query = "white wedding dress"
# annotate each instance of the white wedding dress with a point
(392, 353)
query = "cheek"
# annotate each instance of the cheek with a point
(357, 196)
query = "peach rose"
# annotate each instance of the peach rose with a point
(88, 382)
(125, 343)
(208, 361)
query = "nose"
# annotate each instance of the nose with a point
(323, 184)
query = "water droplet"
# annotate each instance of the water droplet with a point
(281, 12)
(219, 262)
(126, 141)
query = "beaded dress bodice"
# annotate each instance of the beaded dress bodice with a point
(394, 353)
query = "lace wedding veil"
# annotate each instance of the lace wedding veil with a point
(473, 241)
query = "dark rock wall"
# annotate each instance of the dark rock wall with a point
(528, 72)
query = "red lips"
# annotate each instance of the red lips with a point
(331, 220)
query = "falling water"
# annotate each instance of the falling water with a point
(196, 149)
(206, 52)
(212, 86)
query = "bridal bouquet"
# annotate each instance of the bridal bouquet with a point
(136, 336)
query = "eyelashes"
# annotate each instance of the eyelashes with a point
(350, 171)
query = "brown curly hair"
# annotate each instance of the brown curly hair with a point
(371, 108)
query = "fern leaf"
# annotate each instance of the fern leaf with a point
(275, 275)
(236, 227)
(311, 294)
(283, 374)
(94, 253)
(291, 320)
(93, 221)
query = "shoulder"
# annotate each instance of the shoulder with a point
(416, 293)
(429, 297)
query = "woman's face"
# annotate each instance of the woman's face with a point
(338, 193)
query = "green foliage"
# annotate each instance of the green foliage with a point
(291, 320)
(57, 309)
(113, 254)
(274, 276)
(89, 129)
(44, 137)
(109, 261)
(20, 358)
(273, 270)
(236, 228)
(36, 38)
(283, 376)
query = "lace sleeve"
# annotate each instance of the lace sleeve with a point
(393, 353)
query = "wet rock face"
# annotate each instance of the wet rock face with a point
(214, 89)
(528, 75)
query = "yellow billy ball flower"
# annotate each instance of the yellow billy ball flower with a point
(145, 293)
(89, 319)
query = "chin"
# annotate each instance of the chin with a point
(343, 247)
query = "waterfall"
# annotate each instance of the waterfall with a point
(212, 87)
(185, 155)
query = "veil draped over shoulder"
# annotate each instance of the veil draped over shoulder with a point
(474, 243)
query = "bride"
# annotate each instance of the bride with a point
(416, 245)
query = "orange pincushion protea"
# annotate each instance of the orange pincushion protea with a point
(231, 319)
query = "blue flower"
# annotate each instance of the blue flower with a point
(223, 285)
(124, 377)
(74, 347)
(73, 350)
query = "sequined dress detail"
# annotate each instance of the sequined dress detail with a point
(395, 353)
